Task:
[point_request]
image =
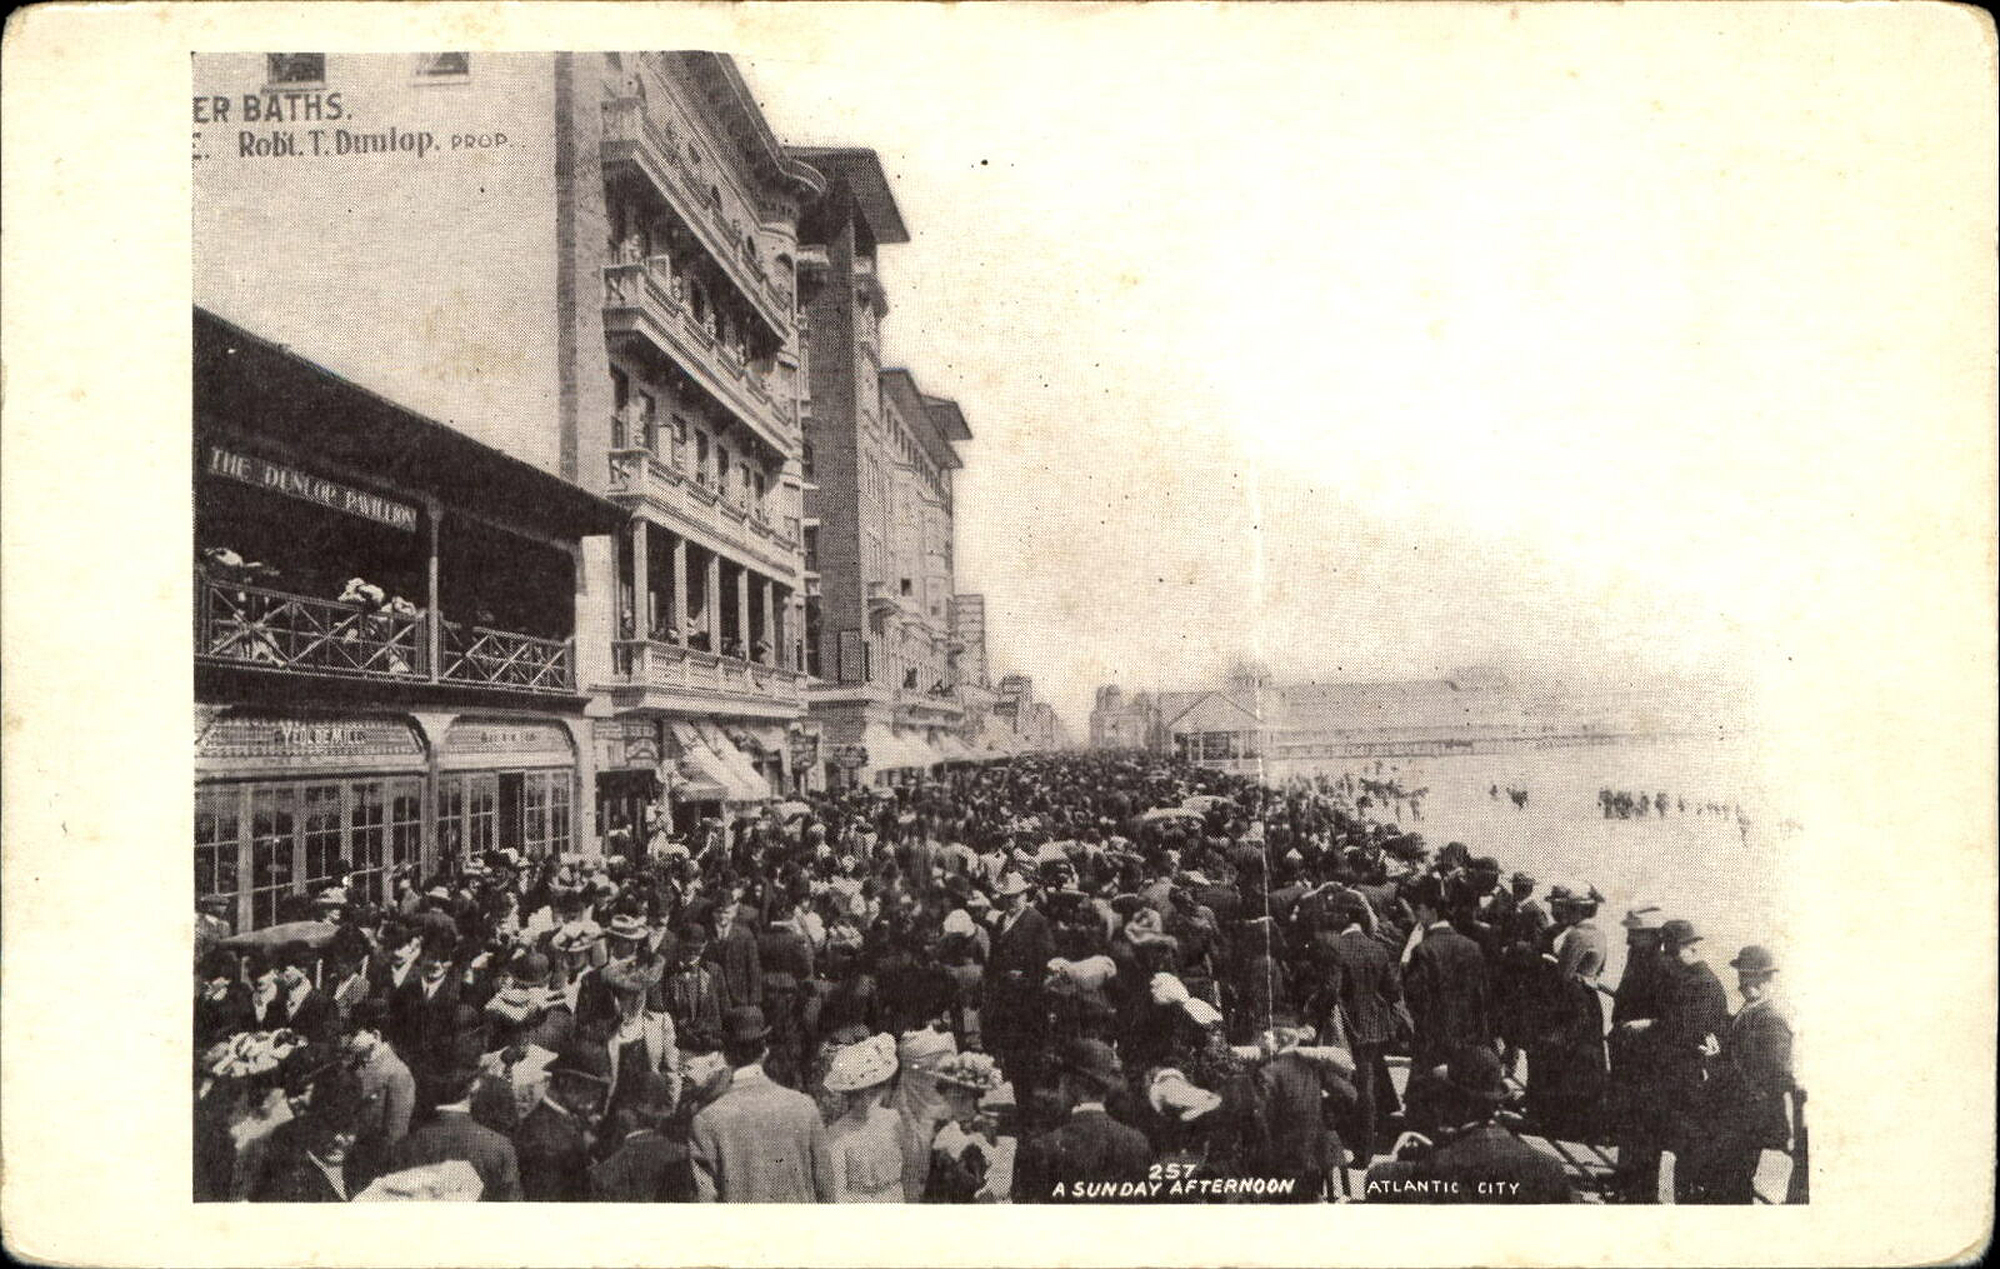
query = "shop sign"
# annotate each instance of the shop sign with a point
(850, 757)
(627, 743)
(805, 751)
(239, 737)
(306, 487)
(506, 743)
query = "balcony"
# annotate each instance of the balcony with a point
(685, 504)
(639, 303)
(253, 627)
(633, 140)
(646, 666)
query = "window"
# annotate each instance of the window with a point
(365, 818)
(905, 585)
(642, 418)
(678, 431)
(722, 470)
(271, 852)
(295, 68)
(806, 460)
(323, 837)
(621, 397)
(812, 549)
(701, 458)
(406, 825)
(545, 822)
(217, 843)
(445, 64)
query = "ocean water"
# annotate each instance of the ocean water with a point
(1725, 877)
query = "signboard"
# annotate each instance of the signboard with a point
(627, 744)
(263, 742)
(306, 487)
(850, 757)
(500, 743)
(805, 751)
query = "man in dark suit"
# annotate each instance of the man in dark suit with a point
(452, 1132)
(1014, 1022)
(423, 1012)
(1478, 1161)
(1691, 1011)
(1091, 1147)
(1747, 1107)
(1365, 986)
(554, 1140)
(301, 1006)
(1447, 991)
(739, 970)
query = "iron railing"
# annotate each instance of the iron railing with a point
(501, 658)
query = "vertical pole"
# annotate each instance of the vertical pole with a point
(770, 622)
(743, 610)
(432, 618)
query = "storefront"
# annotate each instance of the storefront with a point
(628, 780)
(285, 805)
(509, 784)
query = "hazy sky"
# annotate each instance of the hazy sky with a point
(1598, 339)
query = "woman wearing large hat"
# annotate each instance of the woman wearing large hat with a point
(965, 1145)
(867, 1141)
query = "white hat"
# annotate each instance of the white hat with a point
(1171, 1094)
(1012, 883)
(865, 1065)
(958, 922)
(1203, 1013)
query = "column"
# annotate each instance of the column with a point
(743, 609)
(779, 615)
(770, 626)
(680, 579)
(642, 585)
(711, 607)
(432, 617)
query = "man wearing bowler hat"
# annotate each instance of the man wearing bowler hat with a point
(555, 1138)
(1747, 1104)
(1090, 1146)
(759, 1142)
(1478, 1161)
(1692, 1010)
(1014, 1021)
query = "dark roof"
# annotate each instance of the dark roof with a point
(247, 384)
(919, 409)
(950, 419)
(861, 172)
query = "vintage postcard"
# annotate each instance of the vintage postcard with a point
(1013, 612)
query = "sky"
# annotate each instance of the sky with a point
(1597, 341)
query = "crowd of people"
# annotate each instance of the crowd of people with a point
(1043, 979)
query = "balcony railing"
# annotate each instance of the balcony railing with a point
(274, 630)
(639, 301)
(254, 626)
(629, 136)
(500, 658)
(651, 663)
(691, 498)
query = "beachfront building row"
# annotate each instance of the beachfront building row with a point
(547, 469)
(1250, 720)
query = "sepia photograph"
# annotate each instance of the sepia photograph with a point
(1046, 607)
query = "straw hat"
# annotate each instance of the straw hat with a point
(868, 1064)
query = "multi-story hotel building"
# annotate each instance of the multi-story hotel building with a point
(881, 453)
(584, 265)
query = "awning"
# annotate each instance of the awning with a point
(888, 752)
(750, 784)
(765, 738)
(713, 765)
(693, 786)
(951, 748)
